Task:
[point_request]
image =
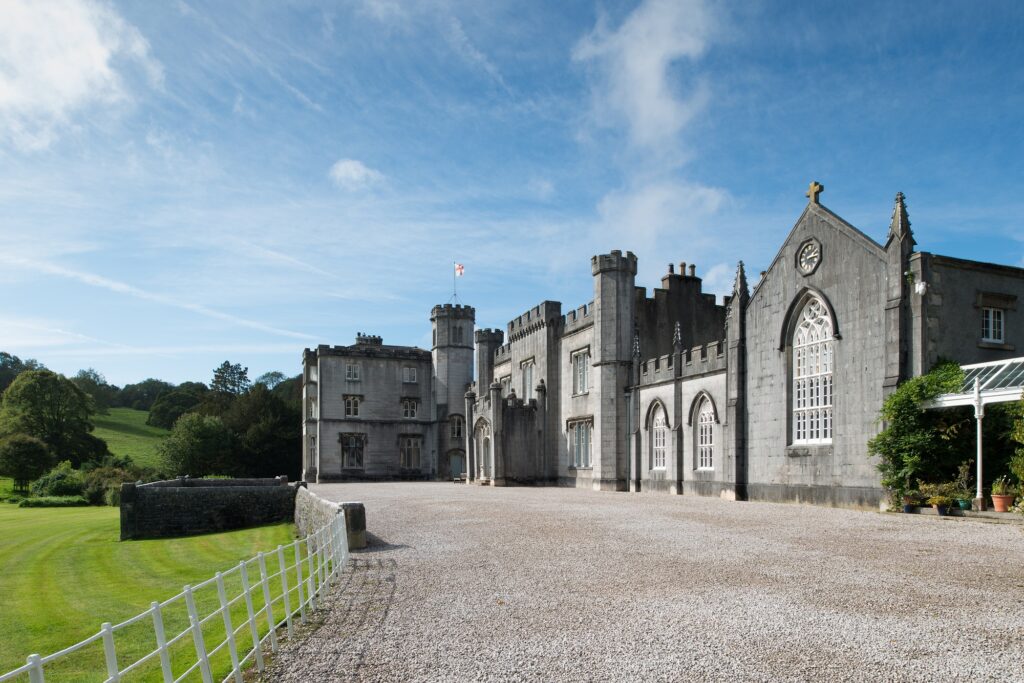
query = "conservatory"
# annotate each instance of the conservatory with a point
(1000, 381)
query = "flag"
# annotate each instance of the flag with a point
(459, 270)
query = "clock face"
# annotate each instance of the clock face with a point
(809, 257)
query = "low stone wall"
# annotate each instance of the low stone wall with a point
(184, 507)
(313, 512)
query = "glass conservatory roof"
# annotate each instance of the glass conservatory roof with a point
(999, 381)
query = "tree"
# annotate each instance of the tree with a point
(198, 445)
(271, 379)
(290, 391)
(269, 434)
(51, 408)
(95, 384)
(143, 395)
(12, 366)
(173, 404)
(230, 379)
(23, 458)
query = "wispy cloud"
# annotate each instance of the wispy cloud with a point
(461, 43)
(58, 59)
(352, 174)
(36, 333)
(101, 282)
(631, 69)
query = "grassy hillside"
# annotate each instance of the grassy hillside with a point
(63, 572)
(127, 434)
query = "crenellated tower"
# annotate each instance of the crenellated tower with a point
(452, 354)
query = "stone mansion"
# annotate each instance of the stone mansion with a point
(771, 394)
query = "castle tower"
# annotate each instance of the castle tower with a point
(487, 342)
(614, 322)
(452, 354)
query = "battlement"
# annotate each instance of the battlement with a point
(696, 361)
(534, 319)
(453, 311)
(489, 335)
(579, 317)
(502, 353)
(614, 261)
(368, 339)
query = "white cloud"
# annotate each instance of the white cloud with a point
(632, 63)
(718, 279)
(541, 188)
(351, 174)
(461, 43)
(646, 218)
(94, 280)
(59, 57)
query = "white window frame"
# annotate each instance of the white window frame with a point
(705, 436)
(659, 439)
(813, 358)
(409, 449)
(312, 408)
(352, 405)
(410, 407)
(526, 368)
(313, 374)
(352, 372)
(581, 434)
(408, 375)
(581, 372)
(506, 384)
(993, 325)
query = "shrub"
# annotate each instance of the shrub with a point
(23, 458)
(198, 445)
(53, 502)
(101, 483)
(62, 480)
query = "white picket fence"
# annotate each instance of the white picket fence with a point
(291, 581)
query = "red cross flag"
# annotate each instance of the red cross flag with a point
(459, 270)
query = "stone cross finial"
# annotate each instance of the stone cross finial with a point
(814, 190)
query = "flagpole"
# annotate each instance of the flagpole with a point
(455, 287)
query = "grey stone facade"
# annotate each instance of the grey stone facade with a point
(770, 394)
(376, 411)
(687, 395)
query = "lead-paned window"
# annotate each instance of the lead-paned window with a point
(409, 375)
(352, 450)
(659, 433)
(352, 372)
(409, 448)
(705, 436)
(812, 375)
(410, 406)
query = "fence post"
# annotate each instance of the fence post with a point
(35, 674)
(197, 636)
(311, 577)
(229, 628)
(161, 642)
(252, 616)
(267, 602)
(298, 582)
(109, 653)
(284, 587)
(325, 556)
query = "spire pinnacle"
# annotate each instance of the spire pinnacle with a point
(899, 226)
(740, 285)
(677, 337)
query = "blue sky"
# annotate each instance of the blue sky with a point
(187, 182)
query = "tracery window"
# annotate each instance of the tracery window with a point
(456, 424)
(410, 452)
(706, 436)
(409, 407)
(812, 374)
(659, 432)
(352, 406)
(527, 370)
(352, 450)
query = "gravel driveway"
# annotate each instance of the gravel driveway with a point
(468, 583)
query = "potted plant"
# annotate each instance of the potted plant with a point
(1002, 496)
(964, 493)
(939, 496)
(911, 500)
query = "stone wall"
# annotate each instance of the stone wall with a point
(312, 512)
(185, 507)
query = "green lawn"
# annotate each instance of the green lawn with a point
(127, 434)
(63, 572)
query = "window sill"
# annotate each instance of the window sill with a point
(804, 450)
(573, 468)
(581, 393)
(705, 469)
(991, 344)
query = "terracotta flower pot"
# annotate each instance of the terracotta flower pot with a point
(1001, 503)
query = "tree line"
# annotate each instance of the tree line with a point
(230, 427)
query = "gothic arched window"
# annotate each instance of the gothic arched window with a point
(706, 436)
(812, 374)
(659, 432)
